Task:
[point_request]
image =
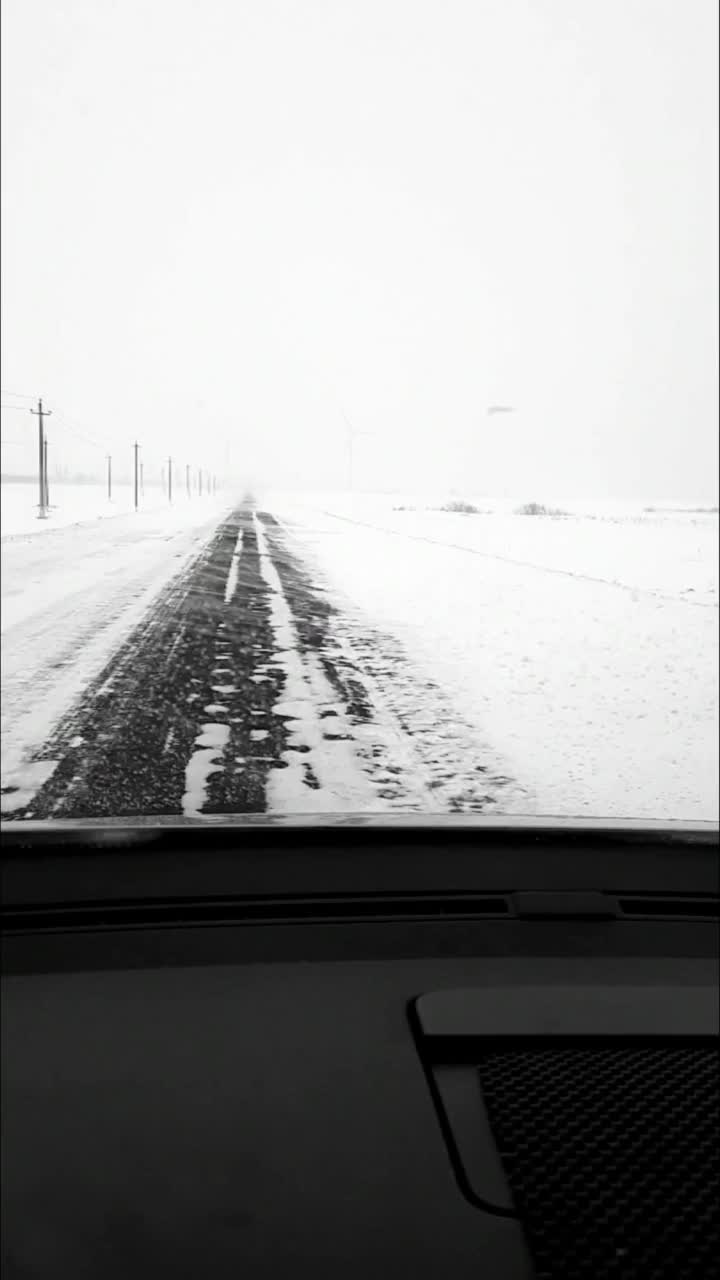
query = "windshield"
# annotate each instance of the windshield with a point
(360, 408)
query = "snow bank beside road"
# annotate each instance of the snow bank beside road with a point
(584, 650)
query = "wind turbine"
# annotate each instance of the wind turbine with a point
(353, 434)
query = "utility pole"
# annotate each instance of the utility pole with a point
(187, 479)
(109, 476)
(200, 482)
(47, 475)
(169, 479)
(136, 451)
(142, 479)
(41, 413)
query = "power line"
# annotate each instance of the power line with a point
(104, 445)
(16, 395)
(80, 435)
(62, 422)
(74, 430)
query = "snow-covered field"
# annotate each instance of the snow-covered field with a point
(72, 504)
(583, 649)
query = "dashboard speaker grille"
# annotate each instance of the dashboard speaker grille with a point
(612, 1157)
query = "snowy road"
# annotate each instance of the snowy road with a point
(238, 689)
(281, 659)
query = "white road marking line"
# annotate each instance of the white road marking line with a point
(232, 578)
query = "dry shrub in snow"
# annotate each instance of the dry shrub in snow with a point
(537, 509)
(462, 508)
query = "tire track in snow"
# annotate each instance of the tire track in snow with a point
(324, 773)
(418, 753)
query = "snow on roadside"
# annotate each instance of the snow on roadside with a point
(601, 695)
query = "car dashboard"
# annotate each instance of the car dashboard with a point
(457, 1049)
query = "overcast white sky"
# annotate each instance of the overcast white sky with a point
(225, 222)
